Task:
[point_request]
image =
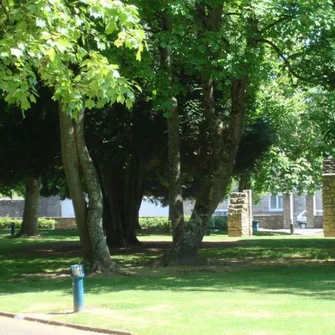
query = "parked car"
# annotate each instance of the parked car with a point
(302, 219)
(219, 219)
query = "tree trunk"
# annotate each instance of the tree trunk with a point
(101, 260)
(221, 147)
(112, 184)
(176, 211)
(188, 237)
(72, 172)
(222, 161)
(29, 225)
(76, 160)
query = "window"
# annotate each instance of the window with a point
(276, 202)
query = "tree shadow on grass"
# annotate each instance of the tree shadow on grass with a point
(242, 265)
(313, 282)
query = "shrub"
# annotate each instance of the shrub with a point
(218, 222)
(154, 222)
(6, 221)
(43, 223)
(162, 222)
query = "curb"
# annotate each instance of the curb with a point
(62, 324)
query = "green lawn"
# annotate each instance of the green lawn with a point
(261, 285)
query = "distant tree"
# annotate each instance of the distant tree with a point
(29, 150)
(125, 146)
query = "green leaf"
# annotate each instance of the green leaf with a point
(89, 104)
(51, 53)
(110, 28)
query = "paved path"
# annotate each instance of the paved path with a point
(11, 326)
(297, 231)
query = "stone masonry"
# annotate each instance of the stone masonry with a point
(239, 216)
(328, 194)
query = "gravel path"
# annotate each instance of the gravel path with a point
(297, 231)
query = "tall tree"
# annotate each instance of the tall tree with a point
(64, 44)
(224, 46)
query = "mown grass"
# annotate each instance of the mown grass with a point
(261, 285)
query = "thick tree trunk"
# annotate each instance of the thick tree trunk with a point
(176, 211)
(222, 161)
(221, 147)
(29, 225)
(112, 184)
(100, 253)
(122, 192)
(72, 167)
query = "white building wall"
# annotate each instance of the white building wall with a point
(67, 208)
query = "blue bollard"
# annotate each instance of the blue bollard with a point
(77, 274)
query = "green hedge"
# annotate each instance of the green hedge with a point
(161, 222)
(43, 223)
(154, 222)
(216, 222)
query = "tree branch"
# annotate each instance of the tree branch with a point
(233, 13)
(280, 20)
(286, 61)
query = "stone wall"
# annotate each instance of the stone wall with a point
(12, 208)
(65, 223)
(328, 194)
(48, 206)
(238, 215)
(318, 221)
(270, 221)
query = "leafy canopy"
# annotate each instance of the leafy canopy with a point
(62, 43)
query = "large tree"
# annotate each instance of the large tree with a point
(61, 45)
(224, 47)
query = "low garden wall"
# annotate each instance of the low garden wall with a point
(65, 223)
(318, 221)
(270, 221)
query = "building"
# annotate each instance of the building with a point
(272, 211)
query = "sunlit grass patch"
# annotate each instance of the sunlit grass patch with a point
(237, 292)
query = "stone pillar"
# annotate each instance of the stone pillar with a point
(239, 223)
(310, 210)
(328, 197)
(287, 210)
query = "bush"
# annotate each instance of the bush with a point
(6, 221)
(218, 222)
(43, 223)
(154, 222)
(162, 222)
